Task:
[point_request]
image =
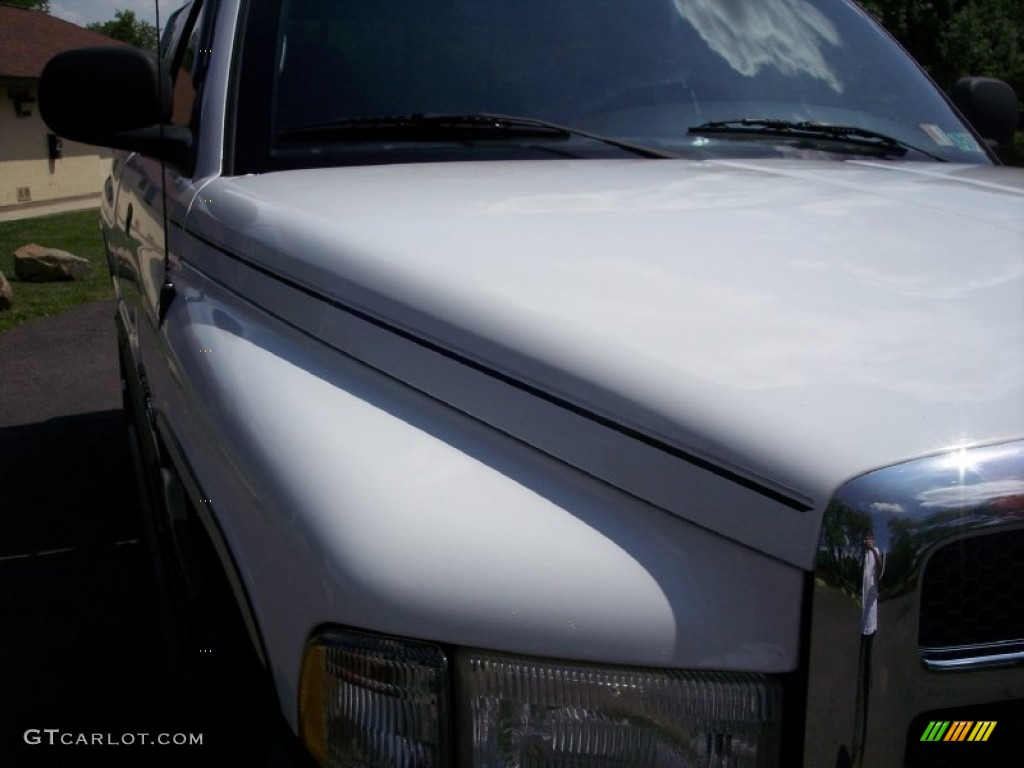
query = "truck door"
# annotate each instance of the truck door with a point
(151, 202)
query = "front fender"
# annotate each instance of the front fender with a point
(347, 497)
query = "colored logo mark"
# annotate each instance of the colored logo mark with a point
(958, 730)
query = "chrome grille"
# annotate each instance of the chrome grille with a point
(959, 516)
(972, 592)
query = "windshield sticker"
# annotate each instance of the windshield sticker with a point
(965, 142)
(937, 135)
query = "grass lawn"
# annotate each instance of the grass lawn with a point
(77, 232)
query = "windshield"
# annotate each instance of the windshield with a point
(641, 71)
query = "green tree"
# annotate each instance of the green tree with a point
(125, 26)
(986, 37)
(917, 24)
(955, 38)
(37, 5)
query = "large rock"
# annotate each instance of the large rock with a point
(6, 293)
(36, 264)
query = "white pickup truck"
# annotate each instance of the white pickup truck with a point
(577, 383)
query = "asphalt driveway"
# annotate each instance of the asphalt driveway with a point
(81, 646)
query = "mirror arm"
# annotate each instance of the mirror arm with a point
(172, 143)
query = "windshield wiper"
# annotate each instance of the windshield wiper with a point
(455, 127)
(810, 131)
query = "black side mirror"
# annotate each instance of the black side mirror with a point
(115, 96)
(990, 105)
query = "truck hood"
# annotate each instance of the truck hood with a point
(731, 341)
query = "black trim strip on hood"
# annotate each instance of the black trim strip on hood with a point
(800, 505)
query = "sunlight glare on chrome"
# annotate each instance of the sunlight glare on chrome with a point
(961, 459)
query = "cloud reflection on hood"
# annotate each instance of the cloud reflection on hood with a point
(785, 34)
(971, 496)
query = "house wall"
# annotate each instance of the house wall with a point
(25, 160)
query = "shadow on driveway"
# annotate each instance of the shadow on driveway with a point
(81, 647)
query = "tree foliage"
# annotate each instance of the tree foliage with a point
(125, 26)
(954, 38)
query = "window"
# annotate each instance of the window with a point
(184, 55)
(643, 71)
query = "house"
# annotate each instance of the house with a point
(35, 166)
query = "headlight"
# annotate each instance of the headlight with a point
(372, 701)
(538, 714)
(368, 700)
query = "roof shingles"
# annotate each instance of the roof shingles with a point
(29, 39)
